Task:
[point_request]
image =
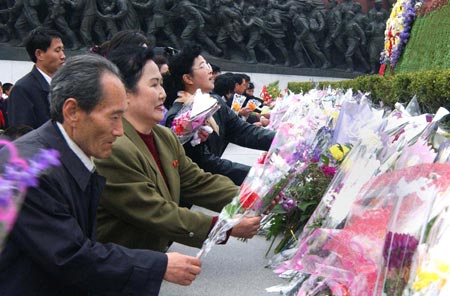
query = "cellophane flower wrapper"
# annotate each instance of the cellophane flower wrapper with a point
(383, 141)
(289, 153)
(192, 116)
(17, 175)
(355, 113)
(344, 260)
(420, 193)
(441, 138)
(238, 102)
(301, 196)
(430, 273)
(280, 108)
(356, 169)
(375, 154)
(349, 260)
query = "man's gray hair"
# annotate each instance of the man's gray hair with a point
(79, 78)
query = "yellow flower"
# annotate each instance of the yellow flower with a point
(338, 151)
(433, 273)
(424, 279)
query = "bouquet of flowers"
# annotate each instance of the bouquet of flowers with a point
(18, 174)
(280, 108)
(193, 116)
(348, 260)
(421, 193)
(289, 154)
(381, 143)
(341, 248)
(431, 272)
(302, 195)
(270, 93)
(304, 192)
(238, 102)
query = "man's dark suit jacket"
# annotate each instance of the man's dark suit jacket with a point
(52, 249)
(28, 103)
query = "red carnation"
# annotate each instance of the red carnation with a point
(247, 198)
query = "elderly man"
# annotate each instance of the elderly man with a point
(52, 249)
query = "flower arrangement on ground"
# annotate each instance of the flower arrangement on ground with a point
(398, 28)
(364, 235)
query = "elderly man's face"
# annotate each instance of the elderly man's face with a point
(96, 131)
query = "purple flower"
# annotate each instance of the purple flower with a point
(399, 248)
(302, 154)
(288, 203)
(19, 175)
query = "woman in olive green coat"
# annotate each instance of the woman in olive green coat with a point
(148, 170)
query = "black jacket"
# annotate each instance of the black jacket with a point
(232, 129)
(28, 103)
(52, 249)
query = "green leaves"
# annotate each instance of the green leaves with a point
(430, 86)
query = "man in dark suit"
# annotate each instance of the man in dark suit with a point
(52, 249)
(28, 103)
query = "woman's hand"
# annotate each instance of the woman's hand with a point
(203, 135)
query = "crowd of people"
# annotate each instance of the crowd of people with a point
(101, 222)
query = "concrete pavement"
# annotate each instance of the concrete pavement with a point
(234, 269)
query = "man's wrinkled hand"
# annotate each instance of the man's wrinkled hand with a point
(247, 228)
(182, 269)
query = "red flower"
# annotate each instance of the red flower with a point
(175, 163)
(262, 158)
(247, 198)
(179, 129)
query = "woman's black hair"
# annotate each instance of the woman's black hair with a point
(179, 65)
(125, 37)
(130, 60)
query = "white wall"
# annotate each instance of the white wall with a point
(261, 79)
(14, 70)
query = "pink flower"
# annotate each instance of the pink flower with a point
(328, 171)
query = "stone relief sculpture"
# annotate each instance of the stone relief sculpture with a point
(304, 33)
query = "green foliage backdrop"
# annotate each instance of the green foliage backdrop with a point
(429, 45)
(432, 88)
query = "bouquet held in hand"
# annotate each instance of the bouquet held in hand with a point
(289, 154)
(196, 114)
